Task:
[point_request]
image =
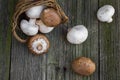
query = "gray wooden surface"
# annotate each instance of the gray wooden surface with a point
(102, 45)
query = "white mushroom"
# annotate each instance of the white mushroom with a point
(29, 28)
(43, 28)
(105, 13)
(77, 34)
(38, 44)
(35, 12)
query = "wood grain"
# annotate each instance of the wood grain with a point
(6, 11)
(56, 64)
(102, 45)
(109, 45)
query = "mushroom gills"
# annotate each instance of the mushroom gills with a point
(39, 45)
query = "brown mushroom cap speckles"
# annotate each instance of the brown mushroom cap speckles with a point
(83, 66)
(50, 17)
(38, 44)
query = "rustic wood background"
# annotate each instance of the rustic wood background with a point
(102, 45)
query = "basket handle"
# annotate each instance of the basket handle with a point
(18, 38)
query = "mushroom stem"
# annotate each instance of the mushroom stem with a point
(29, 28)
(32, 21)
(110, 20)
(39, 47)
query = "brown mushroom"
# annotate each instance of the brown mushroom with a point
(50, 17)
(38, 44)
(83, 66)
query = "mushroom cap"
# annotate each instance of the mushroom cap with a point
(43, 28)
(39, 44)
(28, 28)
(77, 34)
(50, 17)
(105, 13)
(35, 11)
(83, 66)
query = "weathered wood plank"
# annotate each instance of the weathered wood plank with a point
(56, 64)
(6, 11)
(117, 39)
(109, 45)
(91, 48)
(85, 14)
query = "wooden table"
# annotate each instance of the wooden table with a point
(102, 45)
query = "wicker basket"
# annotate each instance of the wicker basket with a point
(24, 5)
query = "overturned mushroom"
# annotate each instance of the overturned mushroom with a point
(38, 44)
(29, 28)
(35, 12)
(105, 13)
(50, 17)
(43, 28)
